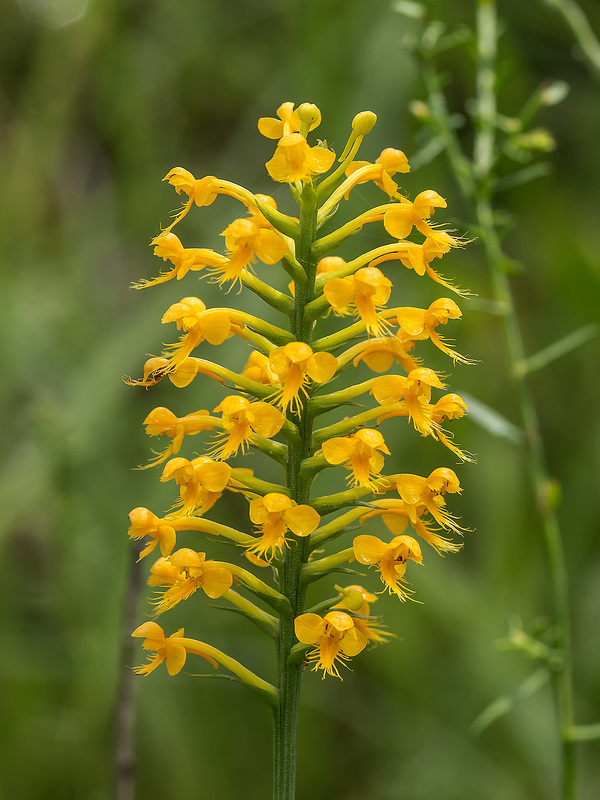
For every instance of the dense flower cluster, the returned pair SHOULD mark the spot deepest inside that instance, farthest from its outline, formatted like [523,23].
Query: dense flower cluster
[287,377]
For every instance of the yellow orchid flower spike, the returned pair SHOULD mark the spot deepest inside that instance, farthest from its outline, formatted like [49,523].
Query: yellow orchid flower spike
[299,359]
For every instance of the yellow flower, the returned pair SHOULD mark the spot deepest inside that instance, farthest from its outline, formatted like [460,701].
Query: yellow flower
[420,323]
[292,365]
[357,600]
[246,239]
[203,191]
[336,636]
[325,265]
[420,256]
[295,161]
[368,290]
[400,219]
[168,247]
[198,324]
[145,523]
[200,482]
[414,391]
[162,421]
[169,649]
[184,572]
[363,450]
[396,518]
[180,375]
[289,122]
[258,369]
[379,354]
[329,264]
[389,163]
[418,492]
[451,407]
[276,513]
[240,419]
[391,558]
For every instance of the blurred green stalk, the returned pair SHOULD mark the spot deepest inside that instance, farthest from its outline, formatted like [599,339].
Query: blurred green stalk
[581,29]
[475,182]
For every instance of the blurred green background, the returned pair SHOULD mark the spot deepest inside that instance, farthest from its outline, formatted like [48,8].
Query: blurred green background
[98,100]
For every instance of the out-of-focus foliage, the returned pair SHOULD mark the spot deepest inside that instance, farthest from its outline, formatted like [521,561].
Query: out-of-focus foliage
[98,100]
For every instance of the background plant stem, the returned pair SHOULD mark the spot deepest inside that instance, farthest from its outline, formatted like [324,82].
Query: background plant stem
[475,180]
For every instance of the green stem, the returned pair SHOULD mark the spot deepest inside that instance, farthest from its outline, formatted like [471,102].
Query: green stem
[474,181]
[581,29]
[562,677]
[289,671]
[483,161]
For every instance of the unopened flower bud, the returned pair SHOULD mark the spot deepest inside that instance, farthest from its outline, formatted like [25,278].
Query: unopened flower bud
[309,114]
[364,123]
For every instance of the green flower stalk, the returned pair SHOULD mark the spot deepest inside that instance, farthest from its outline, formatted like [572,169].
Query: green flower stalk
[291,376]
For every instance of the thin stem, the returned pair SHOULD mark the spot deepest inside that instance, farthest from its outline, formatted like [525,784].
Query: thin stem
[484,148]
[582,31]
[475,183]
[562,677]
[289,671]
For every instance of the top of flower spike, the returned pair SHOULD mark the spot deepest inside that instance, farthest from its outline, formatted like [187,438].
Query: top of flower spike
[290,120]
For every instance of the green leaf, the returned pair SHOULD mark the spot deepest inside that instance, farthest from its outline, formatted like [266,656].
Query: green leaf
[502,705]
[560,348]
[491,421]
